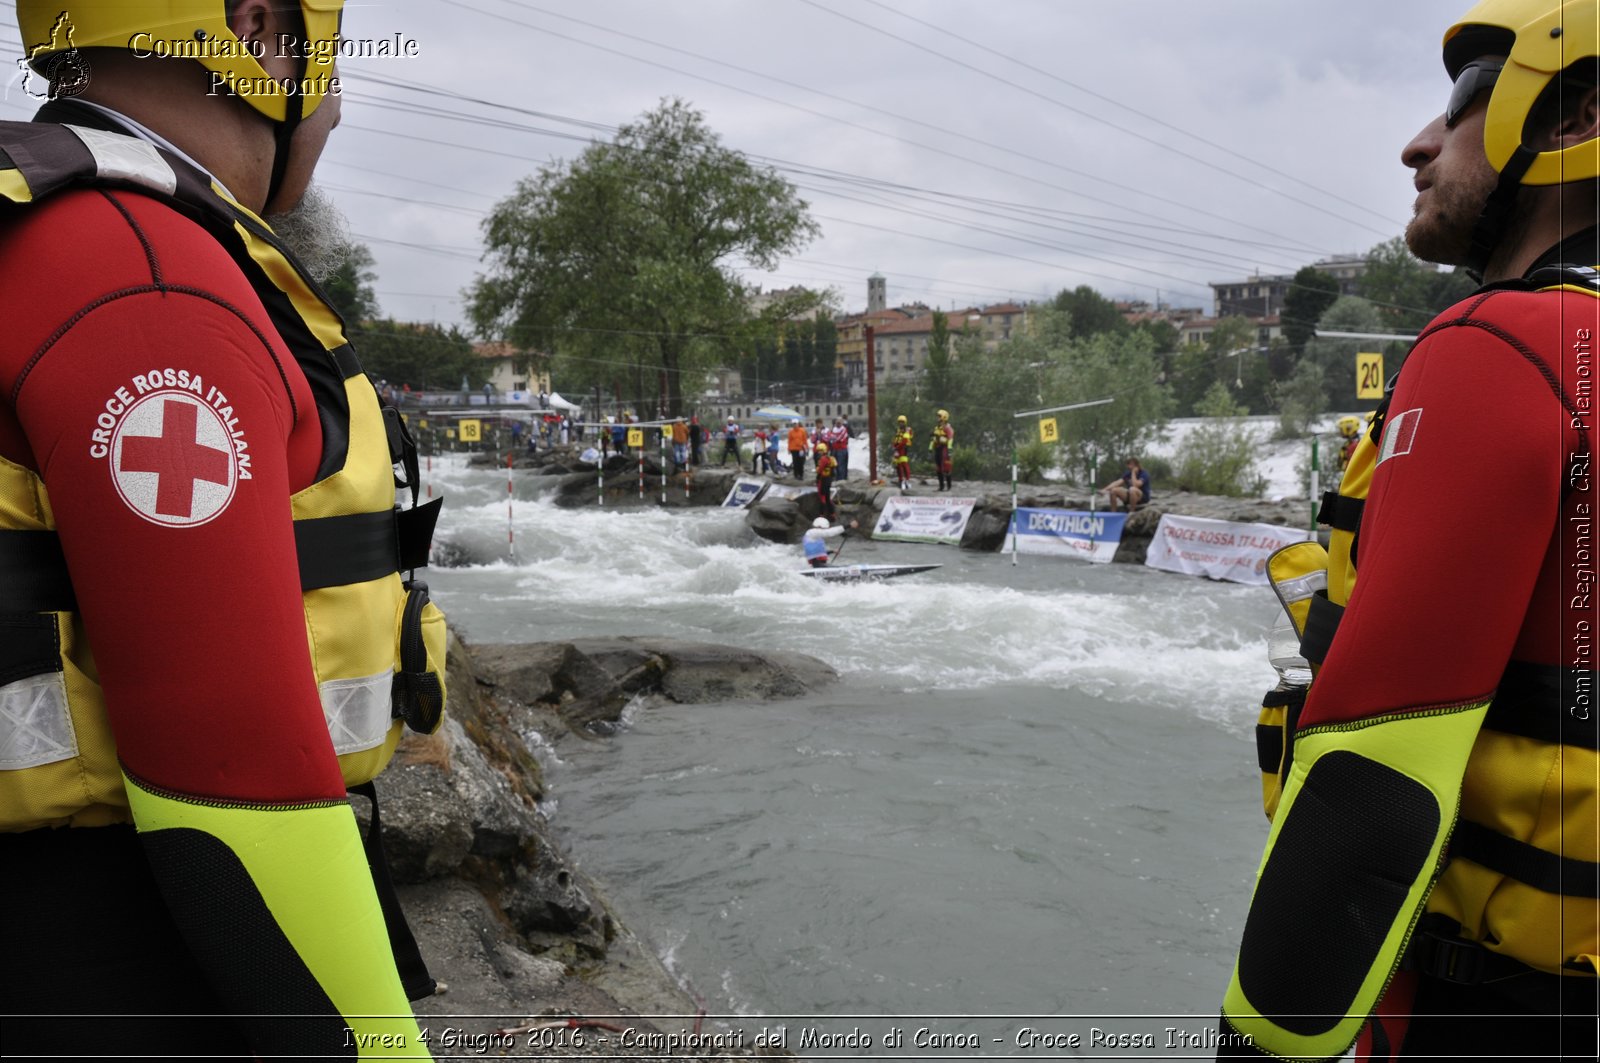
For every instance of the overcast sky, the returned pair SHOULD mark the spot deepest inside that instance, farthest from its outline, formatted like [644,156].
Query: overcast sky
[969,152]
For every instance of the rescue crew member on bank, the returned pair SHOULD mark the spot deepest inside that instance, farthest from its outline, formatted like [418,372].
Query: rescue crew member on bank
[211,627]
[1430,877]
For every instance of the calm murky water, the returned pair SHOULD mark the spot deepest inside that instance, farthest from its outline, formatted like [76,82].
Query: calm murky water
[1032,792]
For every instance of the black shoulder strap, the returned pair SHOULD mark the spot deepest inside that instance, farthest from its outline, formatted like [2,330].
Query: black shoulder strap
[414,976]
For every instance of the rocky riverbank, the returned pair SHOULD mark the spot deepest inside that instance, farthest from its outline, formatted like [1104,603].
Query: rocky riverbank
[617,483]
[531,960]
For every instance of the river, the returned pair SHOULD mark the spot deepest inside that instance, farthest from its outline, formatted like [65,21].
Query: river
[1031,793]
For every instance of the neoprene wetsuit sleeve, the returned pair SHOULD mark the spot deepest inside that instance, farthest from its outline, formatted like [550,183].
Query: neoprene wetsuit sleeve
[175,524]
[1372,797]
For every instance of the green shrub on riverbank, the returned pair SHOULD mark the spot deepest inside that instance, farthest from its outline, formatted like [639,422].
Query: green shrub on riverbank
[1219,458]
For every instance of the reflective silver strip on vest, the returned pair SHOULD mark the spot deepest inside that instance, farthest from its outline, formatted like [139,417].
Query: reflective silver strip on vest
[1299,588]
[127,159]
[358,711]
[35,726]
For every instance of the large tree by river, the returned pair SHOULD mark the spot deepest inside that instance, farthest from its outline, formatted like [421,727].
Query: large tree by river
[622,261]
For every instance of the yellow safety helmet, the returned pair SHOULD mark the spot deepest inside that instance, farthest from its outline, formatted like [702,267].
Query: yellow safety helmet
[944,415]
[188,29]
[1539,38]
[901,419]
[822,448]
[1349,426]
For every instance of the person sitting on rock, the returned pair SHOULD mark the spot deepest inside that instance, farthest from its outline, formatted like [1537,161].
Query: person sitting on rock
[1130,490]
[815,540]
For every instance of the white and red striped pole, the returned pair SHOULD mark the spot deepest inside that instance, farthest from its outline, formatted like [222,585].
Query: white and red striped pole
[511,498]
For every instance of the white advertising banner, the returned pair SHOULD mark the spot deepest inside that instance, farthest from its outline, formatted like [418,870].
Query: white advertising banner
[744,491]
[1219,549]
[789,490]
[1067,533]
[924,520]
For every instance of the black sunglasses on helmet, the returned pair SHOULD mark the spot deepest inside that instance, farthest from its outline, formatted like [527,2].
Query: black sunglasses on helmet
[1476,76]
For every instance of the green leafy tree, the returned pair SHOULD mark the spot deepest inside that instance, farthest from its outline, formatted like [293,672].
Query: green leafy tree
[1335,359]
[795,369]
[349,287]
[1231,357]
[426,357]
[625,257]
[1125,368]
[1300,400]
[1311,293]
[1050,364]
[938,366]
[1219,457]
[1090,312]
[1407,292]
[826,345]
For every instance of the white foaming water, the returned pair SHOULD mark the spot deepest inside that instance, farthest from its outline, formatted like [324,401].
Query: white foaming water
[979,620]
[1033,788]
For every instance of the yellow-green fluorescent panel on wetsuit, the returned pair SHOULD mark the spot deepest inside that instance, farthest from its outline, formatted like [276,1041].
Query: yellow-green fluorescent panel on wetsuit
[1351,857]
[285,895]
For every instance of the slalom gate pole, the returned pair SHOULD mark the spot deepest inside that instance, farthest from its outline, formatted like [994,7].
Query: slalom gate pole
[641,474]
[600,483]
[430,474]
[664,466]
[511,502]
[1013,506]
[1316,492]
[1094,480]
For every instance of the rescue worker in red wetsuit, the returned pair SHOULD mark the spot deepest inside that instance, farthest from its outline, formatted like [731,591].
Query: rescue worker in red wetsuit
[1349,436]
[208,635]
[1430,877]
[826,466]
[944,436]
[902,453]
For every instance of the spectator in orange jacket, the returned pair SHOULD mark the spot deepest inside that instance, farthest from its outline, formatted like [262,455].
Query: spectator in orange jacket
[798,443]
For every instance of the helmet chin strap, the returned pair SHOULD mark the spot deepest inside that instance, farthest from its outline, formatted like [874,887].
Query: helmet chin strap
[294,107]
[1490,227]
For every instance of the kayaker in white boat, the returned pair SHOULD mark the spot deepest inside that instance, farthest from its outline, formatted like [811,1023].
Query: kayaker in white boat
[815,540]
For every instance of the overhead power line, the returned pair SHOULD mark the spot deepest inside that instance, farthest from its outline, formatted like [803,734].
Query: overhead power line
[964,158]
[968,41]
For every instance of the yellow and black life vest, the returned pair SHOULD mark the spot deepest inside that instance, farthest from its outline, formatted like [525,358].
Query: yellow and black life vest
[377,642]
[1518,886]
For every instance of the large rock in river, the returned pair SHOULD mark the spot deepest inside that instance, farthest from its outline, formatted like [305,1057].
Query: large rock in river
[588,682]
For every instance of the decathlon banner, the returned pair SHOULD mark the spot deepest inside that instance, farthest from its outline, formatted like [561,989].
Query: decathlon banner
[924,520]
[1220,549]
[1068,533]
[743,492]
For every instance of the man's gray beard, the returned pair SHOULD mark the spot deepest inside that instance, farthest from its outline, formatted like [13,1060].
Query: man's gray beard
[315,232]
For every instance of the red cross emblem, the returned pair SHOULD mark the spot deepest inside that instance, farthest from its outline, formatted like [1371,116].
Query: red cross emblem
[172,460]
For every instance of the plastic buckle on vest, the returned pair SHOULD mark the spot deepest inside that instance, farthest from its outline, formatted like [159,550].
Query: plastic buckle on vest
[1450,959]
